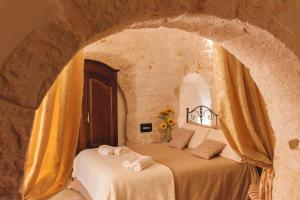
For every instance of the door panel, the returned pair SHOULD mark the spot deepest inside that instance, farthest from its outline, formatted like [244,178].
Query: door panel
[100,113]
[99,109]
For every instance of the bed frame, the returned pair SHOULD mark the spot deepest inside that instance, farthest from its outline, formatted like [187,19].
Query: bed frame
[201,112]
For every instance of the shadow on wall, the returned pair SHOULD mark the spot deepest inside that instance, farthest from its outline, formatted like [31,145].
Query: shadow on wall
[122,117]
[194,91]
[126,81]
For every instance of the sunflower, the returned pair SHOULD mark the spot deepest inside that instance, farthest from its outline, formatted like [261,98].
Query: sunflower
[169,111]
[163,126]
[171,122]
[163,113]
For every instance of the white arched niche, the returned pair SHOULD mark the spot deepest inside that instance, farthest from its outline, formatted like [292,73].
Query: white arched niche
[194,91]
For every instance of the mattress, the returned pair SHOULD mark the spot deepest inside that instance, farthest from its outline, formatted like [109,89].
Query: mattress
[200,179]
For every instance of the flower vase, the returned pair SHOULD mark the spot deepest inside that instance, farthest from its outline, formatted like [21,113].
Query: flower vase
[165,137]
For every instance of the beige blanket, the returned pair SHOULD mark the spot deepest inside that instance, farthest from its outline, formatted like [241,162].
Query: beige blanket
[199,179]
[104,178]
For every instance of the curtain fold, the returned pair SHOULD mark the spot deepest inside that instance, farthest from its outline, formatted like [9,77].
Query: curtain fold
[54,135]
[244,117]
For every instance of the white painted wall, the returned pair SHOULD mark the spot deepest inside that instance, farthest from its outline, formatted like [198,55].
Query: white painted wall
[194,91]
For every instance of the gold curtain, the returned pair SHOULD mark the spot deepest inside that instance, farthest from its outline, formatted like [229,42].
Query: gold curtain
[244,117]
[54,134]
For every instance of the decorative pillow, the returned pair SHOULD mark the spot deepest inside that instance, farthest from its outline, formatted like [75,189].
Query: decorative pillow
[228,152]
[200,134]
[208,149]
[181,138]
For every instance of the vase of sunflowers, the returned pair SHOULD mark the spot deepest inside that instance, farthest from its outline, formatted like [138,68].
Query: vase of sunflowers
[167,123]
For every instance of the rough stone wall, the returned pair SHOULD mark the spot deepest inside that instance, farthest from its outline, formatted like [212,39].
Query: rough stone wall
[275,69]
[44,36]
[152,65]
[17,121]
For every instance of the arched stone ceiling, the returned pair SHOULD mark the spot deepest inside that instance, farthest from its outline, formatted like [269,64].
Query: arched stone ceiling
[41,51]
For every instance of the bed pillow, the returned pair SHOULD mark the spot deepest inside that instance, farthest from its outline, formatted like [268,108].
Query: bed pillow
[208,149]
[228,152]
[200,134]
[181,138]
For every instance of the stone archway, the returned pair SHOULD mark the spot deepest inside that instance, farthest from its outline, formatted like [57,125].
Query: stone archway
[31,68]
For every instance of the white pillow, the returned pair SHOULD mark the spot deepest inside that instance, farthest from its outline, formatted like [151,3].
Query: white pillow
[228,152]
[200,134]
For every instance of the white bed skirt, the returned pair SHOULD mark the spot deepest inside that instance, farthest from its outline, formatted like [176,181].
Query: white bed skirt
[105,179]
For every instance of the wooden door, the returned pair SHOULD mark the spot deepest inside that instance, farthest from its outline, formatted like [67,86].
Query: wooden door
[99,109]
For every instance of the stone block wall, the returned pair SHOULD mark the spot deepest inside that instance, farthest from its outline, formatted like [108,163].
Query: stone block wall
[153,63]
[39,38]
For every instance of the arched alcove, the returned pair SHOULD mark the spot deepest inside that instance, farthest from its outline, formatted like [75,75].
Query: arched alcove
[194,91]
[144,64]
[49,39]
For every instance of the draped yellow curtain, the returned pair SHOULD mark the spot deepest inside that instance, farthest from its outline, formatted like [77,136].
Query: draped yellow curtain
[54,135]
[244,118]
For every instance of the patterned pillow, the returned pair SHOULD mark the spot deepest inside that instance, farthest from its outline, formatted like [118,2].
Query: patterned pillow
[200,134]
[208,149]
[181,138]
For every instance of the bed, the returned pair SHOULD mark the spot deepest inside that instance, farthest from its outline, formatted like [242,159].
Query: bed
[196,179]
[104,178]
[176,174]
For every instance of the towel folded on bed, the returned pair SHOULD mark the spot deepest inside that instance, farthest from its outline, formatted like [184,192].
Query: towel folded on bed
[142,163]
[118,151]
[106,150]
[128,163]
[138,163]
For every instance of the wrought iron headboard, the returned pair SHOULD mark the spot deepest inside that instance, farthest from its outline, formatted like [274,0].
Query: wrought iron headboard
[201,112]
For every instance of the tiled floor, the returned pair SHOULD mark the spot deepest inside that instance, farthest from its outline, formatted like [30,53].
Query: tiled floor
[68,194]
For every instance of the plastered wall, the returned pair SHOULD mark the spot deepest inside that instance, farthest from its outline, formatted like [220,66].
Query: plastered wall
[194,92]
[38,38]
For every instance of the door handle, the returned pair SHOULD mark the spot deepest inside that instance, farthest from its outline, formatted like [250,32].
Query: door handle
[88,117]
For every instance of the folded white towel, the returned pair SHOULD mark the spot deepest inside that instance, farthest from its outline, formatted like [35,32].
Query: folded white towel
[107,146]
[110,150]
[121,150]
[128,163]
[142,163]
[106,150]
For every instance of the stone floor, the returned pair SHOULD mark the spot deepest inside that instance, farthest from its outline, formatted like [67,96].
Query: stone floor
[68,194]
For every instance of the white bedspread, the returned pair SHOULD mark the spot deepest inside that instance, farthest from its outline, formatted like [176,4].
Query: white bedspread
[106,179]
